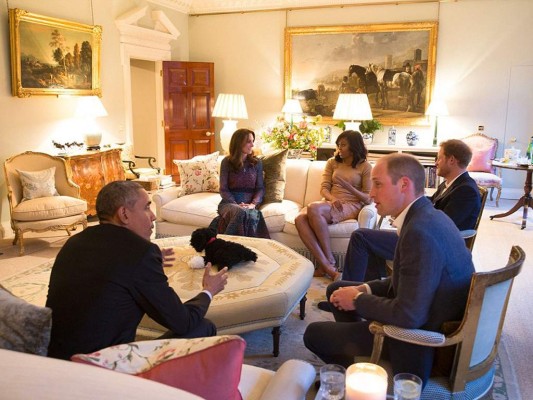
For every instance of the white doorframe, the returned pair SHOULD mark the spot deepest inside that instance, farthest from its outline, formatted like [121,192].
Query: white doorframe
[149,45]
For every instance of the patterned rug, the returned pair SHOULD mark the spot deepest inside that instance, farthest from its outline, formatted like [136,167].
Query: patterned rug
[32,285]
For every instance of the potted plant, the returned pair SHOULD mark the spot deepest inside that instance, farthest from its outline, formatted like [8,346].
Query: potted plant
[367,129]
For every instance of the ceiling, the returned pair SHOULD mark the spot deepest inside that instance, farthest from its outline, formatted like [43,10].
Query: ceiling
[199,7]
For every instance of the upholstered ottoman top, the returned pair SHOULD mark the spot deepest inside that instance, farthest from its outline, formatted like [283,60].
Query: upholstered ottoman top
[257,295]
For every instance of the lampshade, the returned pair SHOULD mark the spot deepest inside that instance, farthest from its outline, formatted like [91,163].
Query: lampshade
[292,106]
[437,108]
[230,106]
[353,107]
[90,107]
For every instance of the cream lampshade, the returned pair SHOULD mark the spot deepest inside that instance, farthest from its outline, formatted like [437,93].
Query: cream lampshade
[229,106]
[353,107]
[437,108]
[292,106]
[89,108]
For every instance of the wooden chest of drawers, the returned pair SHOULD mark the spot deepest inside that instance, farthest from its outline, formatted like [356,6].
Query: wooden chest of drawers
[93,170]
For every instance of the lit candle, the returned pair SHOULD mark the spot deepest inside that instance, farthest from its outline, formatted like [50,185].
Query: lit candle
[365,381]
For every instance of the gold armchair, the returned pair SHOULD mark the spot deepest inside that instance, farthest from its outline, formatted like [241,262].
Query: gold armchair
[37,209]
[132,170]
[475,339]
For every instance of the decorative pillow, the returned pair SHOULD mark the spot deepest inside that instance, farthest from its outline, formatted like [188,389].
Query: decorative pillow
[37,184]
[24,327]
[199,174]
[274,176]
[481,160]
[208,367]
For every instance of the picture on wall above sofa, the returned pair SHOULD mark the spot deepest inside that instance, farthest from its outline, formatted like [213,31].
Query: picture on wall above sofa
[393,63]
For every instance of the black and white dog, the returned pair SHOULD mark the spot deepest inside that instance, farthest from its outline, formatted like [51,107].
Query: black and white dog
[220,252]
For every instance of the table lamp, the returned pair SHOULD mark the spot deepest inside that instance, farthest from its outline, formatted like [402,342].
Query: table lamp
[292,106]
[89,108]
[436,108]
[366,381]
[353,107]
[229,106]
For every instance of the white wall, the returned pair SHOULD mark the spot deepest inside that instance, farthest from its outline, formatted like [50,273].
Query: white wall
[475,57]
[32,123]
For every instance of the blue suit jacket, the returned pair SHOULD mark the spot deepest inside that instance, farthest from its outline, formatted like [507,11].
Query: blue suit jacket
[429,284]
[461,202]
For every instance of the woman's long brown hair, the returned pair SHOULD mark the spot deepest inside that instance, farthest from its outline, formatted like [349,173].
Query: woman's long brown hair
[239,137]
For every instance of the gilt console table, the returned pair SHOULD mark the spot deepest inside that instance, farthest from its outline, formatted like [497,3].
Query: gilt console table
[92,170]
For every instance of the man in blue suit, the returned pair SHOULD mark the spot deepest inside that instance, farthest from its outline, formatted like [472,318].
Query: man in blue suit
[458,196]
[429,284]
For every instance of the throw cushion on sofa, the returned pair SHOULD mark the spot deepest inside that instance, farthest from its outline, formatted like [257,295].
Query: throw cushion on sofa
[274,176]
[24,327]
[208,367]
[199,174]
[37,184]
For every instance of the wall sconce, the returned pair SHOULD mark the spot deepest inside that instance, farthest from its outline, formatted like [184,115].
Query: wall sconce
[229,106]
[436,108]
[89,108]
[353,107]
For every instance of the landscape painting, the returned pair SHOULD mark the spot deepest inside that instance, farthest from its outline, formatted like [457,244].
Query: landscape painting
[393,63]
[50,56]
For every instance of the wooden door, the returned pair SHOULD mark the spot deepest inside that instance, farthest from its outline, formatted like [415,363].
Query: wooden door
[188,90]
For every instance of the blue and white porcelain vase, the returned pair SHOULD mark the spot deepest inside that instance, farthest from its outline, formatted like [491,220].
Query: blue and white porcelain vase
[412,138]
[392,136]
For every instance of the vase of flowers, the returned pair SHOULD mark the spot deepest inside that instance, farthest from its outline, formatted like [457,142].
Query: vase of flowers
[303,136]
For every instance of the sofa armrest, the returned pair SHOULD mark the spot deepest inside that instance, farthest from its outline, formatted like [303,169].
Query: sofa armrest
[164,196]
[368,217]
[291,381]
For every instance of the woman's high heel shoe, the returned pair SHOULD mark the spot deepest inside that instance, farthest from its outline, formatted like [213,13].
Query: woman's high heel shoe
[332,273]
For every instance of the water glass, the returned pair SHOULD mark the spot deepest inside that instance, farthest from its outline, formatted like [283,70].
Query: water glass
[332,381]
[407,387]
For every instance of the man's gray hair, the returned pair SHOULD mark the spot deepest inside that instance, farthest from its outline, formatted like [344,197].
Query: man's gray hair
[399,165]
[115,195]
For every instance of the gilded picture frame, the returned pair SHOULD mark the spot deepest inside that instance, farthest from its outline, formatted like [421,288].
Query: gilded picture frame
[393,63]
[51,56]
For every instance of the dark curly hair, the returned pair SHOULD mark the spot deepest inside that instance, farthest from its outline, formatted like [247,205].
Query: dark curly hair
[356,145]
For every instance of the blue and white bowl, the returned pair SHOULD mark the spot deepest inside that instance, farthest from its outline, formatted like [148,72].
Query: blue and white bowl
[412,138]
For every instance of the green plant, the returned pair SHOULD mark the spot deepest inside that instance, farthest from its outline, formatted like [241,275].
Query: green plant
[305,135]
[369,126]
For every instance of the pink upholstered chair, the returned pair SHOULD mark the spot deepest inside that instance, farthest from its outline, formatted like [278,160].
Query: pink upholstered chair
[480,168]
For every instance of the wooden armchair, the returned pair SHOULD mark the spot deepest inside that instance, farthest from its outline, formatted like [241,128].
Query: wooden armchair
[475,339]
[484,150]
[42,195]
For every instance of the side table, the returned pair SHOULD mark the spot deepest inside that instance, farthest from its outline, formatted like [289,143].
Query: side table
[525,200]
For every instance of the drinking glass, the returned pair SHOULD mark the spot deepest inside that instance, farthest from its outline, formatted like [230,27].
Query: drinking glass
[331,382]
[407,387]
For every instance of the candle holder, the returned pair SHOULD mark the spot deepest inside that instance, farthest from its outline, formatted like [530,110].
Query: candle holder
[366,381]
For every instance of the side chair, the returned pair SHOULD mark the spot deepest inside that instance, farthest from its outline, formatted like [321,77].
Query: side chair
[470,235]
[42,196]
[474,340]
[481,170]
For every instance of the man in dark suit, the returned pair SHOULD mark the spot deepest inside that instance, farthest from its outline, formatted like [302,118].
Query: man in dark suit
[429,284]
[107,277]
[458,196]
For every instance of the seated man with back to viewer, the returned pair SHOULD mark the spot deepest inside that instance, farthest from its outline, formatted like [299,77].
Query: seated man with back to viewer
[107,277]
[458,197]
[429,283]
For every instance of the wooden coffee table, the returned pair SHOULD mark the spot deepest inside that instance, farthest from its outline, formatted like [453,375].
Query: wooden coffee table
[258,295]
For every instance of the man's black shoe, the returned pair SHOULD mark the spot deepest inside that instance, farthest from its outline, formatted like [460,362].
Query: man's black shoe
[324,306]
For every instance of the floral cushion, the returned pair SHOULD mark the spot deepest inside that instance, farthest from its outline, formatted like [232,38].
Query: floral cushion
[274,176]
[37,184]
[199,174]
[24,327]
[208,367]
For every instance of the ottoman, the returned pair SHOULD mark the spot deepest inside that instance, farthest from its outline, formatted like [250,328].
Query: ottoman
[258,295]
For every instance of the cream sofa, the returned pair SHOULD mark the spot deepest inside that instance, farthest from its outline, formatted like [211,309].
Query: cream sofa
[179,215]
[27,376]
